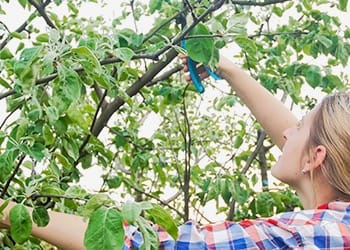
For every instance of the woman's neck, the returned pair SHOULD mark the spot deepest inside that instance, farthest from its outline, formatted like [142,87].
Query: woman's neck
[315,193]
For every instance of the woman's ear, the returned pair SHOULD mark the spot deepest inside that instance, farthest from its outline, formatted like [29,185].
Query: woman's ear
[319,155]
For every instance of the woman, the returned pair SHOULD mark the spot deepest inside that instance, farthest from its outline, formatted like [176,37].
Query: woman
[314,162]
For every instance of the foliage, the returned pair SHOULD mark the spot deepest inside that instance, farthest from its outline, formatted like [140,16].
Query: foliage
[78,91]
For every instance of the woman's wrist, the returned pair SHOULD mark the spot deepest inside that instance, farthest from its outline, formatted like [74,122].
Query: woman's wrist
[225,67]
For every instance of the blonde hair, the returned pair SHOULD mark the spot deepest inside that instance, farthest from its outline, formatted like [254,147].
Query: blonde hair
[331,128]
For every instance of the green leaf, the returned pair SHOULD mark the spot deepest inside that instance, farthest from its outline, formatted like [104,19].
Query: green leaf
[37,151]
[43,38]
[21,224]
[6,166]
[155,5]
[40,216]
[125,54]
[4,83]
[149,234]
[327,43]
[200,49]
[23,67]
[2,136]
[343,4]
[131,211]
[18,35]
[307,5]
[342,53]
[51,189]
[76,191]
[73,8]
[86,162]
[71,86]
[23,3]
[20,47]
[247,45]
[162,218]
[332,82]
[5,53]
[47,135]
[277,10]
[238,141]
[95,202]
[105,230]
[2,207]
[114,182]
[63,160]
[72,148]
[86,54]
[78,116]
[313,76]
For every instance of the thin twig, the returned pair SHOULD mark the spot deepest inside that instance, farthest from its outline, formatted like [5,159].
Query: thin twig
[13,175]
[254,3]
[35,196]
[159,200]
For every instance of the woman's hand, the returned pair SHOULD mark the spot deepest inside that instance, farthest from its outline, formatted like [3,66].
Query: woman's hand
[203,74]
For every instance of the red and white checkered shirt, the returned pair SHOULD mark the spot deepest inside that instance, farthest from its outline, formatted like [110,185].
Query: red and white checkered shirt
[327,227]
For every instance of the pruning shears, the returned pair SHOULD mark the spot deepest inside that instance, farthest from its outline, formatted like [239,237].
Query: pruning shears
[192,65]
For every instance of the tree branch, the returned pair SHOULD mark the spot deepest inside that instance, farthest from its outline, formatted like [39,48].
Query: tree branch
[41,9]
[165,76]
[187,175]
[131,91]
[259,144]
[263,166]
[22,27]
[258,148]
[253,3]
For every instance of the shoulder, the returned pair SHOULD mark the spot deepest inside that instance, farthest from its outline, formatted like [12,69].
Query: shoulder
[336,211]
[320,227]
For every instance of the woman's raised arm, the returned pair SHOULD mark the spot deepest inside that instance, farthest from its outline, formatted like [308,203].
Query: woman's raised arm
[65,231]
[273,116]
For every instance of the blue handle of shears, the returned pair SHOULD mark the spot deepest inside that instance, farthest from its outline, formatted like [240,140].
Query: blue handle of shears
[192,68]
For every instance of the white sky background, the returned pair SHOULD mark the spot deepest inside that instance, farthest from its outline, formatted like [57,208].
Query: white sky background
[16,16]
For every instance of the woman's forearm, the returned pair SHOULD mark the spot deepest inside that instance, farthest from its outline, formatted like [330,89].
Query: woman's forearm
[273,116]
[65,231]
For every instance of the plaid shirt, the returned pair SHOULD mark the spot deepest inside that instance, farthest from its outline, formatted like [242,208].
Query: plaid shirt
[327,227]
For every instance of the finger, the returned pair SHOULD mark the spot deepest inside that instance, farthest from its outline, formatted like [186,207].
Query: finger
[184,61]
[188,78]
[201,70]
[185,68]
[203,75]
[182,56]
